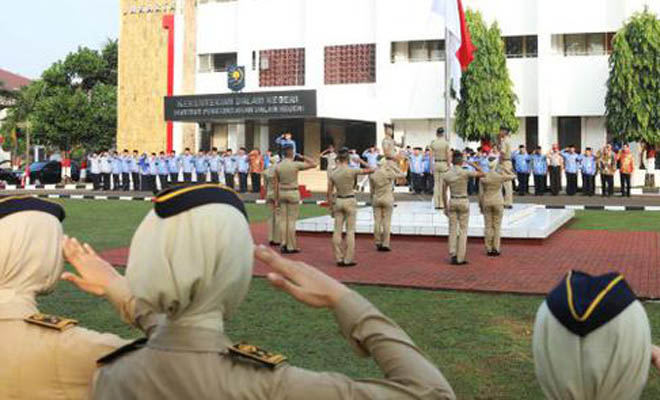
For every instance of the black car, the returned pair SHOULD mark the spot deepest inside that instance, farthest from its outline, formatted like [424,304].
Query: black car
[50,172]
[8,175]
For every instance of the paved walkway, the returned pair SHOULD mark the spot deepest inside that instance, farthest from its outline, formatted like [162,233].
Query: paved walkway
[529,267]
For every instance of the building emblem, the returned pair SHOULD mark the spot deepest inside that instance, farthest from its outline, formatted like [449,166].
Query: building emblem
[236,78]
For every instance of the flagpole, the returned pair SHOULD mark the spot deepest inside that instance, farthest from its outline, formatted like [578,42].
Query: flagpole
[447,85]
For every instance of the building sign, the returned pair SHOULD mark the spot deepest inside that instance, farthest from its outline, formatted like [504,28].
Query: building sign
[236,78]
[213,107]
[156,7]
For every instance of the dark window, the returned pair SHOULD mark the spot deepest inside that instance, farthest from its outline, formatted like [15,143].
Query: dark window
[254,60]
[570,132]
[531,133]
[282,67]
[350,64]
[218,62]
[514,46]
[609,39]
[531,46]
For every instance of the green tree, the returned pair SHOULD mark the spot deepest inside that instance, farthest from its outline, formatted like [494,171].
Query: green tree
[632,103]
[487,99]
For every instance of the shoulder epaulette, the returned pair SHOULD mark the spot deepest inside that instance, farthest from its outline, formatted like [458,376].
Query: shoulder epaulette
[254,353]
[135,345]
[51,321]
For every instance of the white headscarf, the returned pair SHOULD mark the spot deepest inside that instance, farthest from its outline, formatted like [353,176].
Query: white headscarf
[30,260]
[610,363]
[194,267]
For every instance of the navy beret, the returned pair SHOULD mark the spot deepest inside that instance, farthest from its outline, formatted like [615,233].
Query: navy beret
[14,204]
[178,199]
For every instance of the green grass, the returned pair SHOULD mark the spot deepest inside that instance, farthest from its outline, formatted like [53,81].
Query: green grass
[481,342]
[629,221]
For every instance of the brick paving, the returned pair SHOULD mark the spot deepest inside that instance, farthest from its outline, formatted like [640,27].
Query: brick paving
[526,267]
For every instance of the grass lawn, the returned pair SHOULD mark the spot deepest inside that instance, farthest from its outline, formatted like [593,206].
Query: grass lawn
[481,342]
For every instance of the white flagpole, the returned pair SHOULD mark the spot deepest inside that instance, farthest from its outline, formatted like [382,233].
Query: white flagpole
[447,84]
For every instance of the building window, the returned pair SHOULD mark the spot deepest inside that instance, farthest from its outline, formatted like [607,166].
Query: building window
[521,46]
[583,44]
[218,62]
[418,51]
[350,64]
[282,67]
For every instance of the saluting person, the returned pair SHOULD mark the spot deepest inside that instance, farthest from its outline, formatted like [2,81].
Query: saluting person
[173,166]
[135,170]
[441,152]
[274,229]
[125,171]
[382,201]
[506,149]
[344,207]
[491,204]
[188,163]
[287,196]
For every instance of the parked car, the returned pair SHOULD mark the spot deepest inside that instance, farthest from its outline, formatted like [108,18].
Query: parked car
[50,172]
[8,175]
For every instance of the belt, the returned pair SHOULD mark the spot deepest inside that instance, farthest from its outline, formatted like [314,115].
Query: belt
[506,159]
[459,197]
[288,189]
[346,197]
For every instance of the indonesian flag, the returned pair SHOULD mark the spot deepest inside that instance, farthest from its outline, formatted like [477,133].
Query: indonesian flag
[459,42]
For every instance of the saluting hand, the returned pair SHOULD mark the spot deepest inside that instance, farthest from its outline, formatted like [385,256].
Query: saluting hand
[303,282]
[94,273]
[655,357]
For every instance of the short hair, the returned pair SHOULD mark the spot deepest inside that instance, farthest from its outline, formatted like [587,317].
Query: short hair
[135,151]
[343,153]
[187,149]
[587,149]
[538,147]
[162,152]
[521,146]
[228,150]
[571,145]
[153,154]
[214,149]
[457,157]
[386,125]
[125,150]
[440,131]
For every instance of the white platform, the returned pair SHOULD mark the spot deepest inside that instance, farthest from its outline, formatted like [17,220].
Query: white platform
[524,221]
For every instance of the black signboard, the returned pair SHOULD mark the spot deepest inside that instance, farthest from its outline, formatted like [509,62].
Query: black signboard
[214,107]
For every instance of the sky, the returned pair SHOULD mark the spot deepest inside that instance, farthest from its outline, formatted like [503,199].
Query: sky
[36,33]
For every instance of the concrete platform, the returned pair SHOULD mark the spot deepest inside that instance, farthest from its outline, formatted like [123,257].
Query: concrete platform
[524,221]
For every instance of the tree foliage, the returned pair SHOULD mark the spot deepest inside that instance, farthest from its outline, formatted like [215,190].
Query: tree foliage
[74,104]
[633,89]
[487,99]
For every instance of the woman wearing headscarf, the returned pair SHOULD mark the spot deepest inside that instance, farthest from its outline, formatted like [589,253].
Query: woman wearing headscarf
[191,259]
[592,340]
[42,356]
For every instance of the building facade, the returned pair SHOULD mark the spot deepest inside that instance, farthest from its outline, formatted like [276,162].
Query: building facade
[335,71]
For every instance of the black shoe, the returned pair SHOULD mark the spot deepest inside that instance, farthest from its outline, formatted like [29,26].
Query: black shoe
[274,244]
[379,247]
[496,253]
[385,249]
[454,261]
[508,207]
[283,250]
[346,265]
[461,262]
[490,253]
[294,251]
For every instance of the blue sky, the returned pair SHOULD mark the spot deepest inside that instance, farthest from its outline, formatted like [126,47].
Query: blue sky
[36,33]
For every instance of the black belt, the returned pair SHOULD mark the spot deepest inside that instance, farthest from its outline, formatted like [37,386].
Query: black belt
[506,159]
[288,189]
[458,197]
[346,197]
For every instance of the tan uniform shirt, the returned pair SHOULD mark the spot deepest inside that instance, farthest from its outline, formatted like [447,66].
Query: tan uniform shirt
[287,172]
[45,363]
[389,147]
[269,180]
[491,183]
[457,179]
[555,159]
[440,149]
[186,363]
[343,178]
[506,149]
[382,181]
[332,160]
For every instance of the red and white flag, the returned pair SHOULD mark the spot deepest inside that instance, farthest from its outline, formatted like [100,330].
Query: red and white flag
[460,45]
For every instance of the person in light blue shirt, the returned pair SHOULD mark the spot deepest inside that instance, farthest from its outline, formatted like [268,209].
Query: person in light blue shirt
[243,167]
[201,167]
[540,170]
[521,161]
[116,170]
[286,140]
[163,170]
[483,162]
[417,169]
[173,166]
[125,171]
[429,166]
[135,171]
[229,165]
[571,168]
[145,171]
[267,159]
[354,159]
[187,165]
[215,162]
[371,155]
[588,168]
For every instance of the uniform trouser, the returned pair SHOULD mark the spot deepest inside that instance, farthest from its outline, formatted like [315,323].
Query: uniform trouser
[607,184]
[187,177]
[163,181]
[125,182]
[215,178]
[441,169]
[145,182]
[174,177]
[428,182]
[116,185]
[200,177]
[459,216]
[274,231]
[106,181]
[256,182]
[243,181]
[539,185]
[229,180]
[382,222]
[588,184]
[289,208]
[555,180]
[493,225]
[625,185]
[571,183]
[96,181]
[136,181]
[418,182]
[344,212]
[472,186]
[523,183]
[507,167]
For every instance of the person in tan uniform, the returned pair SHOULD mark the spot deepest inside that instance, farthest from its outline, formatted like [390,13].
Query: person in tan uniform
[344,207]
[382,201]
[491,203]
[505,147]
[274,230]
[458,212]
[441,155]
[43,356]
[390,148]
[204,279]
[287,197]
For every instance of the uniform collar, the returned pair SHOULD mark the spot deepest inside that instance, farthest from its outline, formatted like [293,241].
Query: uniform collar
[188,339]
